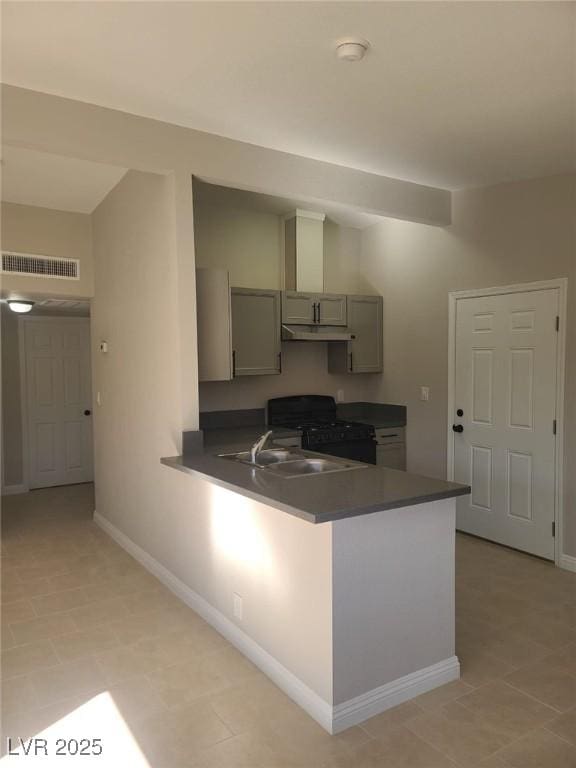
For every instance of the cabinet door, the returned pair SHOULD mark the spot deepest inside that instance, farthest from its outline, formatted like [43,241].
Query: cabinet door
[331,309]
[392,456]
[298,308]
[365,322]
[313,308]
[256,342]
[213,320]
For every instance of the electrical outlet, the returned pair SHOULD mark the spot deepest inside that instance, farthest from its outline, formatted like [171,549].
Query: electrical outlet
[237,606]
[339,395]
[425,393]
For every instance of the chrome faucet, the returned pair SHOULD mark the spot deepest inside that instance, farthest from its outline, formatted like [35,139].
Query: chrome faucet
[258,445]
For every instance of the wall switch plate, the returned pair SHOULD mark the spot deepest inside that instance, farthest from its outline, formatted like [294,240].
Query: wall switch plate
[237,605]
[103,347]
[98,398]
[339,395]
[425,393]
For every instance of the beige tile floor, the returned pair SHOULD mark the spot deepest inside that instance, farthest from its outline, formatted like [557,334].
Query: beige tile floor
[80,618]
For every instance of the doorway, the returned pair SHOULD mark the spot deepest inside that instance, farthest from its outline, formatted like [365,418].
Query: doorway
[47,403]
[505,429]
[57,398]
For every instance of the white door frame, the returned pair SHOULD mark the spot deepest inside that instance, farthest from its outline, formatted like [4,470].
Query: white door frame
[22,322]
[561,284]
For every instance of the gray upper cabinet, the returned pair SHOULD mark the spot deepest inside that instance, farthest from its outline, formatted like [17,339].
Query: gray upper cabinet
[256,342]
[331,309]
[298,308]
[214,330]
[239,329]
[313,308]
[364,353]
[366,349]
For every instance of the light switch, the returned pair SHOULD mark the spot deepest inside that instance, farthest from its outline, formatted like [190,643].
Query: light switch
[339,395]
[425,393]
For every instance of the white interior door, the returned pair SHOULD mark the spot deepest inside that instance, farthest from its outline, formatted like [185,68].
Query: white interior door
[59,401]
[505,386]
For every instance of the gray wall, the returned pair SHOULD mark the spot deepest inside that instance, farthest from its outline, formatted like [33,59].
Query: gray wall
[304,371]
[29,229]
[11,413]
[215,541]
[509,233]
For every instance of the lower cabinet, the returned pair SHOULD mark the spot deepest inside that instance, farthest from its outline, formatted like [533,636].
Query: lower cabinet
[391,447]
[392,456]
[364,353]
[256,332]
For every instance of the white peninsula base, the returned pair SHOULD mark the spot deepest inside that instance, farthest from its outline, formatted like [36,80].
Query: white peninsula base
[349,617]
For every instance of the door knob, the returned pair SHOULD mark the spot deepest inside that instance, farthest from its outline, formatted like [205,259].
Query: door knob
[87,413]
[457,427]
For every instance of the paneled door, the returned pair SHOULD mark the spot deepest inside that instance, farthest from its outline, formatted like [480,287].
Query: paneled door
[504,417]
[59,401]
[256,341]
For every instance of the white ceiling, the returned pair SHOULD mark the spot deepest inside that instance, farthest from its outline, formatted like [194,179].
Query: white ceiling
[452,94]
[51,181]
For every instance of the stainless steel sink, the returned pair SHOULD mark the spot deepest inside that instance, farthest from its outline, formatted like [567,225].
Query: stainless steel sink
[289,464]
[313,466]
[264,458]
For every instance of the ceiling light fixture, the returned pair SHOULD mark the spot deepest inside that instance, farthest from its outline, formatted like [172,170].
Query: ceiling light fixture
[351,48]
[20,305]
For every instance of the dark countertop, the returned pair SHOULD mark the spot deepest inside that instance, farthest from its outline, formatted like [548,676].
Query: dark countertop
[378,415]
[316,498]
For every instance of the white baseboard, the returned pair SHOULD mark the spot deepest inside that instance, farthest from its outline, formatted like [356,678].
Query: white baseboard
[332,719]
[13,490]
[355,711]
[304,696]
[568,563]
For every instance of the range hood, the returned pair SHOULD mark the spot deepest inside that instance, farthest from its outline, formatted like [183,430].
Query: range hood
[315,333]
[304,272]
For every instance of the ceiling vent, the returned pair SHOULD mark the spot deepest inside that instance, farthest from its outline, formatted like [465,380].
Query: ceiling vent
[40,266]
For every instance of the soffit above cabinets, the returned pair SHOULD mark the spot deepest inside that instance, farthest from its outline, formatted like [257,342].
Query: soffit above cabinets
[206,193]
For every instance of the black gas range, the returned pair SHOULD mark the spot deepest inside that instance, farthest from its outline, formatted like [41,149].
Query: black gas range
[315,416]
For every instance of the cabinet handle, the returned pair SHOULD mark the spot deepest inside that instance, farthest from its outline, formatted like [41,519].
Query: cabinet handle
[280,361]
[314,310]
[233,363]
[319,308]
[351,362]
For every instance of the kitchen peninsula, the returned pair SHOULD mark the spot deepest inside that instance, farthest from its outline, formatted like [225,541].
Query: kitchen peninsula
[346,579]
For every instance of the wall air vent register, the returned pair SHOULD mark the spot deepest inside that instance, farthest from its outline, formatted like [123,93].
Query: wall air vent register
[40,266]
